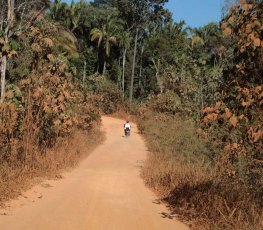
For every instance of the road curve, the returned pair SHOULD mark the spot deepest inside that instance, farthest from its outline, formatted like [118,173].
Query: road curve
[105,192]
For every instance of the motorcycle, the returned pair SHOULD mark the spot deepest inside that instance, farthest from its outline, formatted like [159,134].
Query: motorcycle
[127,132]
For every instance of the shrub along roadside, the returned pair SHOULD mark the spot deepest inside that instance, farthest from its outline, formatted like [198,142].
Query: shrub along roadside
[44,108]
[105,96]
[180,168]
[64,155]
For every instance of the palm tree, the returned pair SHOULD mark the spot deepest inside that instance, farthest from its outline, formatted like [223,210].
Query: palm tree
[173,29]
[55,8]
[206,32]
[124,42]
[106,38]
[59,11]
[196,40]
[75,14]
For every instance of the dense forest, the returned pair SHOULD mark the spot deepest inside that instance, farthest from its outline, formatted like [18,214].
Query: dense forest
[196,94]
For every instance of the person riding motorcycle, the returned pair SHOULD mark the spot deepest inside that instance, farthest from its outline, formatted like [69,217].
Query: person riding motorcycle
[127,128]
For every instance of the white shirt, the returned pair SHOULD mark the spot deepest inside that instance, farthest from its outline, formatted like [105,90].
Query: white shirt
[127,125]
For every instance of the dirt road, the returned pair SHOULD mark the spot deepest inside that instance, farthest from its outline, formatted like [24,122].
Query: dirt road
[104,193]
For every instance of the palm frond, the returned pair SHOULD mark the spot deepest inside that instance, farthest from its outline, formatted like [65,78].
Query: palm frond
[197,40]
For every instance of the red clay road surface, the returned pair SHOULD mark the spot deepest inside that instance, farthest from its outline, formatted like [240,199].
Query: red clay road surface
[105,192]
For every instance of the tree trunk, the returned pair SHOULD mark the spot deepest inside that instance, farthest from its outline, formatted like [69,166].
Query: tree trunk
[10,17]
[10,20]
[84,71]
[157,75]
[133,64]
[98,67]
[104,68]
[123,70]
[3,73]
[10,14]
[119,74]
[101,60]
[201,92]
[2,16]
[140,74]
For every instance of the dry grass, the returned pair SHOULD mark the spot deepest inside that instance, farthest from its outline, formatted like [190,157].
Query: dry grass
[195,195]
[65,155]
[120,114]
[126,111]
[124,116]
[163,173]
[180,170]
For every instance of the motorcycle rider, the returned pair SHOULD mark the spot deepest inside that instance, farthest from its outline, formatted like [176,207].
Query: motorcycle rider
[127,126]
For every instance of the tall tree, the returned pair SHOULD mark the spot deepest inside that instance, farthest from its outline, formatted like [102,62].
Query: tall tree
[227,6]
[124,42]
[139,13]
[25,12]
[106,37]
[133,64]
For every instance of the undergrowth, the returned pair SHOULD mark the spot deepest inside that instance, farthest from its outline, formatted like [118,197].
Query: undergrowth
[182,169]
[48,117]
[64,155]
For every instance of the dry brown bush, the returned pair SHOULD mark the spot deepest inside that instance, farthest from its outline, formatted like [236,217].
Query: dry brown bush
[180,169]
[40,114]
[105,96]
[64,155]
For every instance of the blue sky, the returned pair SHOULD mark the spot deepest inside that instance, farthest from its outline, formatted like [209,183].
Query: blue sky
[195,12]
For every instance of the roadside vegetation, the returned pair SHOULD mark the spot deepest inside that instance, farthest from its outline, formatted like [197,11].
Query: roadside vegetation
[196,94]
[49,117]
[206,142]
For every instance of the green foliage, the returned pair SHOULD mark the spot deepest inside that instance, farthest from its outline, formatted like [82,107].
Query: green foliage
[235,122]
[14,45]
[44,105]
[106,95]
[167,102]
[185,168]
[188,78]
[173,136]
